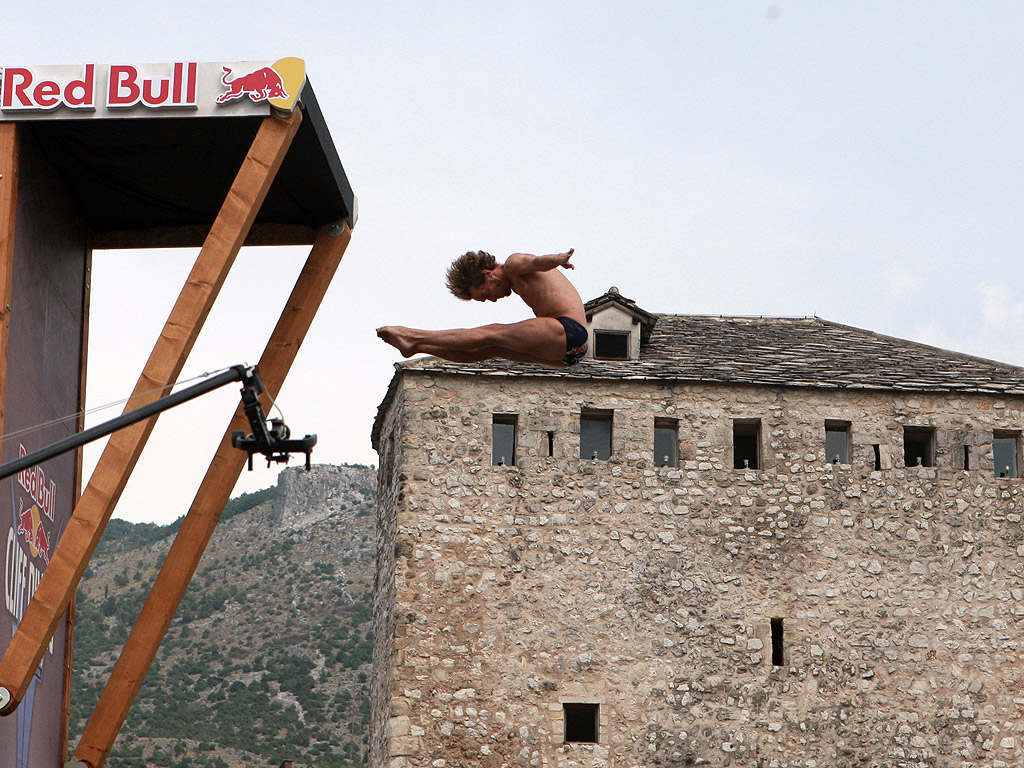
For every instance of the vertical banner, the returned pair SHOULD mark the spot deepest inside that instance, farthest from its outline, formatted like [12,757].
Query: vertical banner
[42,393]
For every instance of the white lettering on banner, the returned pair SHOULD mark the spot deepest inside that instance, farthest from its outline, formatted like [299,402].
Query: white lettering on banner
[21,580]
[18,577]
[9,565]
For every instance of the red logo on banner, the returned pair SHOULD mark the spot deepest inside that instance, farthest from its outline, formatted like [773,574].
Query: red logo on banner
[261,85]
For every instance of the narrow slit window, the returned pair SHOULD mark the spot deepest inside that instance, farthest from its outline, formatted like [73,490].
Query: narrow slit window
[746,443]
[837,442]
[582,723]
[666,443]
[503,439]
[778,644]
[551,443]
[967,457]
[1005,454]
[878,457]
[611,345]
[596,435]
[919,446]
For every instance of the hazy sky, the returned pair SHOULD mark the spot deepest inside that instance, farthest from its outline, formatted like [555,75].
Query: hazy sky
[859,161]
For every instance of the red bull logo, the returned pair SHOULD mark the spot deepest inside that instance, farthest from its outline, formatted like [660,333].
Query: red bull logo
[34,480]
[278,83]
[262,85]
[32,532]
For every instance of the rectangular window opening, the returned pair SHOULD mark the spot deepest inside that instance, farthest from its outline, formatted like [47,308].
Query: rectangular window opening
[878,457]
[746,443]
[551,443]
[611,345]
[581,723]
[837,442]
[778,648]
[919,446]
[596,434]
[1005,453]
[503,439]
[666,443]
[967,457]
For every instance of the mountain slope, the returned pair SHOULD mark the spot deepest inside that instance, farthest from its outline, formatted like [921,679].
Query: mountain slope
[268,656]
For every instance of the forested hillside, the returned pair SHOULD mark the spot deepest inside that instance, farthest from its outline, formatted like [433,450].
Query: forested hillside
[268,656]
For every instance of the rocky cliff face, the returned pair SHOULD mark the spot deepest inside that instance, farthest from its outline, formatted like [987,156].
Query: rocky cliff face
[306,498]
[268,655]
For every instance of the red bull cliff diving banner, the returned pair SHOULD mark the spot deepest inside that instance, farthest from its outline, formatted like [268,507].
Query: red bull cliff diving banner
[43,394]
[183,88]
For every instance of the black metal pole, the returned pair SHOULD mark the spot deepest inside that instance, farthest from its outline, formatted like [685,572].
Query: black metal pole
[234,373]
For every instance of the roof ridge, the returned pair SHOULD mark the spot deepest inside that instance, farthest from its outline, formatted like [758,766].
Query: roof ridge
[742,317]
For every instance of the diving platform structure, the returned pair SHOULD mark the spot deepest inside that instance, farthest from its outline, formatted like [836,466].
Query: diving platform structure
[184,154]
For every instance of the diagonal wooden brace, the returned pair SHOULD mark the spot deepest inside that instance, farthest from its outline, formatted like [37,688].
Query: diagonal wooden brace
[198,525]
[77,544]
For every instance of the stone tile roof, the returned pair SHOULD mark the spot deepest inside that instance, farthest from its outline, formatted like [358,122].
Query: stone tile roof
[771,351]
[775,351]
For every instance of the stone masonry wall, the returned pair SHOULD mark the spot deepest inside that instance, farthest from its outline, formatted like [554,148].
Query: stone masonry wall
[649,591]
[389,482]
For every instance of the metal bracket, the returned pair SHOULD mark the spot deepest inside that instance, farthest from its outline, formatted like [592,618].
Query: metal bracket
[273,441]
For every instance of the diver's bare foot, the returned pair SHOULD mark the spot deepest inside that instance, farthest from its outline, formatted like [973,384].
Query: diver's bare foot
[397,336]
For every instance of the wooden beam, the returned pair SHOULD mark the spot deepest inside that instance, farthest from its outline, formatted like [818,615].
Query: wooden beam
[9,161]
[69,633]
[198,525]
[9,148]
[77,544]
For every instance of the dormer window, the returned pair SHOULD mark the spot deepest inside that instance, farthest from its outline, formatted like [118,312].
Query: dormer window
[611,345]
[618,328]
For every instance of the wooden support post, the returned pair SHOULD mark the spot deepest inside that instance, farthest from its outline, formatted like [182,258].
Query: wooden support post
[69,634]
[9,148]
[198,525]
[76,546]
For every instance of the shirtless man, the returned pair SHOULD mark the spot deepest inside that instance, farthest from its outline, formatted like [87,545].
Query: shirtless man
[556,336]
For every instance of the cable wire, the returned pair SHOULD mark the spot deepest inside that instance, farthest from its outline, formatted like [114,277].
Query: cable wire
[96,408]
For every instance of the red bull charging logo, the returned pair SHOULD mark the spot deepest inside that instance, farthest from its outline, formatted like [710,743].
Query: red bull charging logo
[279,84]
[34,512]
[32,537]
[32,532]
[260,85]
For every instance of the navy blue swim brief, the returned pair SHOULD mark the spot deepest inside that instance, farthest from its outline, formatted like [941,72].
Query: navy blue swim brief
[575,340]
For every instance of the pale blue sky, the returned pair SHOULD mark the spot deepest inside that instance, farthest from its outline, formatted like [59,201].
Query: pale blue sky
[860,161]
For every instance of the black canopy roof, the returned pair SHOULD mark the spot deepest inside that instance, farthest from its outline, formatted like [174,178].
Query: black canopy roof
[161,181]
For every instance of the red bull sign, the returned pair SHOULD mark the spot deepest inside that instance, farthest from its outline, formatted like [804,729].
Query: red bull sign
[183,88]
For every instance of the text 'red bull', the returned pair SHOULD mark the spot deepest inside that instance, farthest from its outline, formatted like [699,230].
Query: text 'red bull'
[33,480]
[126,87]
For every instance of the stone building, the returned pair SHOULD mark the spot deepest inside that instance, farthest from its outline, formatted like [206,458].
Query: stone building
[728,542]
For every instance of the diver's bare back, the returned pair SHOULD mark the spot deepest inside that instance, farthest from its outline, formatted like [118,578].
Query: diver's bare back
[549,294]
